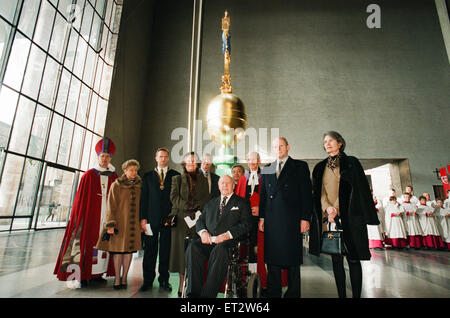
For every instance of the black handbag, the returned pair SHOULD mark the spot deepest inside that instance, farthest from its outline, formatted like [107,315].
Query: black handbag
[333,241]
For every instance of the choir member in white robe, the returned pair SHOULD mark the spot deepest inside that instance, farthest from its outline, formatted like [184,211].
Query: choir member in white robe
[447,201]
[392,193]
[443,216]
[430,203]
[376,232]
[431,235]
[413,199]
[395,226]
[413,228]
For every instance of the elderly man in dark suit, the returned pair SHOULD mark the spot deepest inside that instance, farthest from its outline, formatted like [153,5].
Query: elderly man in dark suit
[224,220]
[285,210]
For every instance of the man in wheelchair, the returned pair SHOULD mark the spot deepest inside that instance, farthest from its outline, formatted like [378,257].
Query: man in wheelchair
[223,221]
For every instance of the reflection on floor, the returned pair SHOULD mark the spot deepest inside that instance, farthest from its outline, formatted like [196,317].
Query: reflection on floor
[27,261]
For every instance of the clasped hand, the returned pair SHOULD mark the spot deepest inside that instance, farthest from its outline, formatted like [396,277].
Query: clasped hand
[207,239]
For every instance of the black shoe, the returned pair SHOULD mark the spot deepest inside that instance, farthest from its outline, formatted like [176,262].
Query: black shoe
[99,280]
[116,287]
[145,287]
[84,283]
[166,286]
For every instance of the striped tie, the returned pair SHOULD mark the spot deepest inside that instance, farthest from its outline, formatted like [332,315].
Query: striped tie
[222,205]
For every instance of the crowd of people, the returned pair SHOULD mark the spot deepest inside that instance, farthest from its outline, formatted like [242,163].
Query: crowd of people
[192,217]
[408,221]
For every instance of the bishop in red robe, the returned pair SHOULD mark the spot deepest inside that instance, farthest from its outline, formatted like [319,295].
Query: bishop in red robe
[78,259]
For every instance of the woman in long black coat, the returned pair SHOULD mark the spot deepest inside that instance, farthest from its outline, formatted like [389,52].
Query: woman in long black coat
[342,193]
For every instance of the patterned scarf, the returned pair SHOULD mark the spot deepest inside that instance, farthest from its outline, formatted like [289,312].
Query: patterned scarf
[333,161]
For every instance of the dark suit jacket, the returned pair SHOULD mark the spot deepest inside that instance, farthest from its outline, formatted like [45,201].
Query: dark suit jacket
[284,202]
[235,217]
[155,203]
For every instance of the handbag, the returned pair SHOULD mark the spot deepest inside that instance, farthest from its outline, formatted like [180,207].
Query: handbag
[333,241]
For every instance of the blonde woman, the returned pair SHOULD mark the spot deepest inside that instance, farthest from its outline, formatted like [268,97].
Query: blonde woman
[122,231]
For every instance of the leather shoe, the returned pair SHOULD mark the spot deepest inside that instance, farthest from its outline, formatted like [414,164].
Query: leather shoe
[145,287]
[166,286]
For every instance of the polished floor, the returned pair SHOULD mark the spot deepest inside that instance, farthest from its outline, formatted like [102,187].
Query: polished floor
[27,261]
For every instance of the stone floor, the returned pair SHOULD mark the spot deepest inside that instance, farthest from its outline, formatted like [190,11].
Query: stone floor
[27,260]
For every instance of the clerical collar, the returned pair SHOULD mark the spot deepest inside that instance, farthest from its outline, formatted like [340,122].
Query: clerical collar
[110,168]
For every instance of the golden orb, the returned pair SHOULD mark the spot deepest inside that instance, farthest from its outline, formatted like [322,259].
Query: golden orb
[226,119]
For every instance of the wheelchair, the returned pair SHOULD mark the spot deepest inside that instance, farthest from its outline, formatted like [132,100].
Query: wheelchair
[240,282]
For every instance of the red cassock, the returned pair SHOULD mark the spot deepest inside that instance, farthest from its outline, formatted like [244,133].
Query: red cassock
[240,190]
[83,230]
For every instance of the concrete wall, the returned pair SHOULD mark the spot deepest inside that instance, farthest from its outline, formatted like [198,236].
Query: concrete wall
[306,67]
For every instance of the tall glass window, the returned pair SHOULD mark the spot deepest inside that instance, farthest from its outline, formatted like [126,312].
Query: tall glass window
[56,67]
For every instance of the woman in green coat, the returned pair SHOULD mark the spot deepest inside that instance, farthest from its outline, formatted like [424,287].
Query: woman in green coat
[189,193]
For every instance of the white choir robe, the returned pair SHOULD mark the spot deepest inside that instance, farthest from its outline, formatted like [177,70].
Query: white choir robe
[395,227]
[413,228]
[413,200]
[375,233]
[386,202]
[428,223]
[447,204]
[444,224]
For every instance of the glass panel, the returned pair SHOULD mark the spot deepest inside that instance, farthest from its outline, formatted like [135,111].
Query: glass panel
[83,105]
[105,86]
[27,189]
[56,199]
[49,82]
[28,17]
[17,61]
[44,24]
[10,184]
[71,50]
[53,141]
[97,25]
[90,67]
[22,125]
[80,58]
[92,111]
[33,75]
[8,103]
[100,7]
[63,92]
[109,6]
[66,141]
[98,75]
[74,93]
[5,31]
[100,118]
[77,143]
[65,7]
[39,131]
[60,32]
[8,9]
[78,14]
[87,21]
[86,151]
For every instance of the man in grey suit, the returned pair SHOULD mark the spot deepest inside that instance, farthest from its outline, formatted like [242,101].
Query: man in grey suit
[224,220]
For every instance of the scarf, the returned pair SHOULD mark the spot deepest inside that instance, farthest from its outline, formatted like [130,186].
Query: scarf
[333,161]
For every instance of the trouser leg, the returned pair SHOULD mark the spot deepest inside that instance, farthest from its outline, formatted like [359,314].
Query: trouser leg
[273,281]
[217,270]
[355,270]
[294,287]
[164,255]
[339,274]
[149,259]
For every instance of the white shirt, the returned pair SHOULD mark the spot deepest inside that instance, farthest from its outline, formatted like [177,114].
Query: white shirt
[164,170]
[253,180]
[278,172]
[220,203]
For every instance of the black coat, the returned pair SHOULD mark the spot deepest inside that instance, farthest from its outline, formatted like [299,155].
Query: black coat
[235,217]
[155,203]
[284,202]
[356,207]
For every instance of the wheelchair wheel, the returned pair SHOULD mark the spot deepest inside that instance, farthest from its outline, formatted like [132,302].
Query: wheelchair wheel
[253,286]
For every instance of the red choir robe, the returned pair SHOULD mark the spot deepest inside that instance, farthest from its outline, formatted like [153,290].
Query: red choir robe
[240,190]
[82,231]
